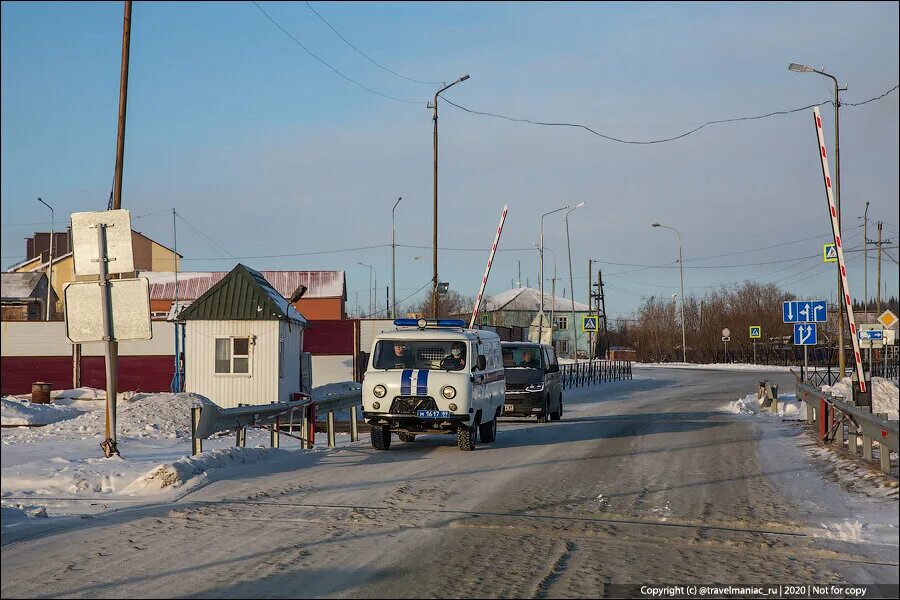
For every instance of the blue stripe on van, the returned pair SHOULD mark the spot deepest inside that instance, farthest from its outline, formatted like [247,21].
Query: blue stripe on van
[406,382]
[422,383]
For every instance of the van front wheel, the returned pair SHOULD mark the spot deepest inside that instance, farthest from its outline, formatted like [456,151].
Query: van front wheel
[488,431]
[465,438]
[381,437]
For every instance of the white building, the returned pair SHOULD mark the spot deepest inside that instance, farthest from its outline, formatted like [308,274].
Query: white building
[243,342]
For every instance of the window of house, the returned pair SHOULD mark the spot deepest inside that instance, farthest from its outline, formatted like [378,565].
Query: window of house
[563,346]
[233,355]
[562,322]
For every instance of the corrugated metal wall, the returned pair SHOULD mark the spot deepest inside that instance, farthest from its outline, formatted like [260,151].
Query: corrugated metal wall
[259,387]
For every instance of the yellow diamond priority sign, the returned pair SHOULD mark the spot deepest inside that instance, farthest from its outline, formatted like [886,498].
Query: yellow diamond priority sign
[888,319]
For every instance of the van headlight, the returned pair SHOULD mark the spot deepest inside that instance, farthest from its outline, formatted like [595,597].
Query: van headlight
[449,392]
[535,387]
[376,405]
[452,407]
[379,391]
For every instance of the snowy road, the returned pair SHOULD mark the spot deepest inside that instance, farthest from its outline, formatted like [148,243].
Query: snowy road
[642,482]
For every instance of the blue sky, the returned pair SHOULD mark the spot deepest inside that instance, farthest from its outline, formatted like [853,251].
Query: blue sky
[267,152]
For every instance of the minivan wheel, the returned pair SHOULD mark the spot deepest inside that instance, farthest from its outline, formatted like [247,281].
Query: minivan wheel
[465,438]
[406,437]
[488,431]
[557,414]
[542,416]
[381,437]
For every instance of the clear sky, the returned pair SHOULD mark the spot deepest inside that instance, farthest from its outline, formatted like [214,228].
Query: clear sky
[266,152]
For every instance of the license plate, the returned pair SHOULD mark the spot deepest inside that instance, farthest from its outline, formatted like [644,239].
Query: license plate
[433,414]
[509,408]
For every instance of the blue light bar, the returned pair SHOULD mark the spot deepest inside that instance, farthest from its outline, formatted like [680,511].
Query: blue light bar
[429,323]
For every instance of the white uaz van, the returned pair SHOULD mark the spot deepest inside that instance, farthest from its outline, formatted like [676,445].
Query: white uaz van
[434,377]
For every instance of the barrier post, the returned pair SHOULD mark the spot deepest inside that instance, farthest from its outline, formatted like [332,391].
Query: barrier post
[330,428]
[241,441]
[354,426]
[274,436]
[884,453]
[196,443]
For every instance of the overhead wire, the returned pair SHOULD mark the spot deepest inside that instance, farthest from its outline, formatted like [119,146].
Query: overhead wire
[336,71]
[366,56]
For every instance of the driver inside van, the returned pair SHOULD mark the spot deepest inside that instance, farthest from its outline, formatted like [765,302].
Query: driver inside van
[456,360]
[401,358]
[529,359]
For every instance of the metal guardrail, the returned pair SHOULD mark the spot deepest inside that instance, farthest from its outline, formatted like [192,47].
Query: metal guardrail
[594,371]
[208,420]
[831,414]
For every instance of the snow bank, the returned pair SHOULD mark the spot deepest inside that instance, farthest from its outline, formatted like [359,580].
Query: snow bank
[885,394]
[712,366]
[22,412]
[185,469]
[789,408]
[163,415]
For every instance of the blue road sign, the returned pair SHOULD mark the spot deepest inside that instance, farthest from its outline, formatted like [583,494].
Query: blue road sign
[589,323]
[805,334]
[873,335]
[789,312]
[804,311]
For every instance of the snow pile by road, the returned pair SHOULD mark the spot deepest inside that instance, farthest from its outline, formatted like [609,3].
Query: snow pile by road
[789,408]
[885,394]
[711,366]
[188,468]
[161,415]
[22,412]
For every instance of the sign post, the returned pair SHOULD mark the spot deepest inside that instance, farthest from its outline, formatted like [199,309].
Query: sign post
[726,337]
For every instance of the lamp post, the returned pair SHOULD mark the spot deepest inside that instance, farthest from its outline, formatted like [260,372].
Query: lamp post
[541,325]
[681,269]
[394,261]
[372,275]
[552,285]
[434,280]
[798,68]
[571,281]
[50,267]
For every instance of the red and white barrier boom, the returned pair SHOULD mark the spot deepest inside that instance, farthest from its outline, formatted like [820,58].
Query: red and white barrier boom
[487,270]
[836,229]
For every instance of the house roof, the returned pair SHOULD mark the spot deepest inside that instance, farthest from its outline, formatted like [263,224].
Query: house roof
[193,284]
[242,295]
[529,300]
[16,286]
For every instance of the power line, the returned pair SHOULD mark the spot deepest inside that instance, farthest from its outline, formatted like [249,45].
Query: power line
[310,253]
[367,57]
[308,51]
[659,141]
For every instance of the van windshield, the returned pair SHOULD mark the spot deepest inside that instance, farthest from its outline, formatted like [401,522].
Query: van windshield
[429,355]
[522,357]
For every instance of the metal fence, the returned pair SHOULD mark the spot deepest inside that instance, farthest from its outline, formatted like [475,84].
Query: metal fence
[838,422]
[595,371]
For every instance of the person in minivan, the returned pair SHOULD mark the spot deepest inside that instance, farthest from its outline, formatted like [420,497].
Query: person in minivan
[530,360]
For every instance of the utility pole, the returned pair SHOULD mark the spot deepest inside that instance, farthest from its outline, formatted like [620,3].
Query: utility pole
[434,281]
[603,305]
[394,259]
[123,103]
[878,292]
[50,263]
[590,289]
[866,243]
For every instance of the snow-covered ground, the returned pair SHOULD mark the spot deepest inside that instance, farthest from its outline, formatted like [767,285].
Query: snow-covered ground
[711,366]
[59,468]
[837,463]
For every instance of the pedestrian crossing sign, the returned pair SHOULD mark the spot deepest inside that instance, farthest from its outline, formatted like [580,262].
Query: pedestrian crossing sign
[755,331]
[589,323]
[829,253]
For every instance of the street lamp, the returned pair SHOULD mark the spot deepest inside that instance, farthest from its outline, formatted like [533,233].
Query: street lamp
[394,261]
[798,68]
[50,267]
[541,318]
[434,281]
[681,268]
[553,281]
[571,283]
[372,275]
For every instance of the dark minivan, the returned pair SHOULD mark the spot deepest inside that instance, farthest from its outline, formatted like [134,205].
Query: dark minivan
[533,384]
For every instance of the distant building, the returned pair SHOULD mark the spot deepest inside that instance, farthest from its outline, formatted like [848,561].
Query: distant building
[519,306]
[24,297]
[149,255]
[324,296]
